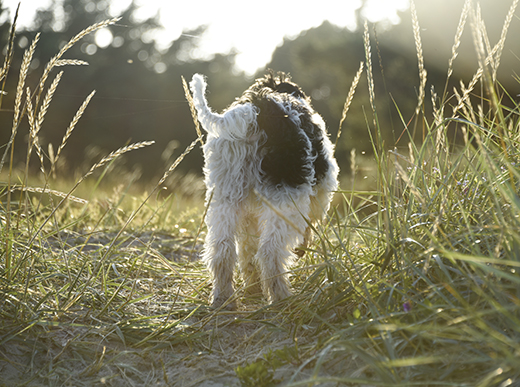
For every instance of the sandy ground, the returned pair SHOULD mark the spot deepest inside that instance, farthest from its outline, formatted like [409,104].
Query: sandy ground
[78,349]
[80,356]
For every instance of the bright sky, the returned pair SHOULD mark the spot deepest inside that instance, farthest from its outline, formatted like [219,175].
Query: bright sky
[254,29]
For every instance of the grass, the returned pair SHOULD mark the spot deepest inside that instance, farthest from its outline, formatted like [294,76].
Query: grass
[414,283]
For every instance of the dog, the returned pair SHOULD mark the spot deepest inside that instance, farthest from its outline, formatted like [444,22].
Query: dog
[270,173]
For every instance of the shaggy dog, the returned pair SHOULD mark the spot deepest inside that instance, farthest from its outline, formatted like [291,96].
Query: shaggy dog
[269,172]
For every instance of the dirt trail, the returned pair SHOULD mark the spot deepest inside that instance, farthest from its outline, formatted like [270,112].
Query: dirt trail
[188,345]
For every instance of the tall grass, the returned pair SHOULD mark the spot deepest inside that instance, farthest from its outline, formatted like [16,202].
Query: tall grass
[69,263]
[438,305]
[413,283]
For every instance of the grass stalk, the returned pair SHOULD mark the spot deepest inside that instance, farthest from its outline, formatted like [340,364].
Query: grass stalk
[348,101]
[8,57]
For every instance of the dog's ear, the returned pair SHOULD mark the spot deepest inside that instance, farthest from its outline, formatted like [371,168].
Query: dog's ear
[290,88]
[280,82]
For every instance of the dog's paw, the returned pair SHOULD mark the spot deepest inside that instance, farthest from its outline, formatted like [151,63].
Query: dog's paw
[224,303]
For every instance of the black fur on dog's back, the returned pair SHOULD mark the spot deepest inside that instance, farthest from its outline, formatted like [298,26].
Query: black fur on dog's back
[292,155]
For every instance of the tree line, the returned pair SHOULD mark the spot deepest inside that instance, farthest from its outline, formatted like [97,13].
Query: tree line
[139,94]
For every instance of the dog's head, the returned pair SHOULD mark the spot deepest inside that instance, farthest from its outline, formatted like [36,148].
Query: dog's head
[281,83]
[272,82]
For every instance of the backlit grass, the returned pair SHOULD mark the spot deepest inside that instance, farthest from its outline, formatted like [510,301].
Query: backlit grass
[411,283]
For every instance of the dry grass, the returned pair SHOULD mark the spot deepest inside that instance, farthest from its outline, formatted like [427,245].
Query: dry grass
[420,59]
[348,101]
[416,284]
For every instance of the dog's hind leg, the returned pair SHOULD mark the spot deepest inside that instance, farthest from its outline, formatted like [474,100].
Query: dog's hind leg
[247,248]
[275,252]
[220,251]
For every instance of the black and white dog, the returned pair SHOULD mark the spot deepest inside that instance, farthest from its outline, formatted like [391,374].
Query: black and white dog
[269,171]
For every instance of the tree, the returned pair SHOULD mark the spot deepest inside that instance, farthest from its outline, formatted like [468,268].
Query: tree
[139,94]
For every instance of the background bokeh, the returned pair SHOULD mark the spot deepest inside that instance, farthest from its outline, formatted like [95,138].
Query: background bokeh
[139,93]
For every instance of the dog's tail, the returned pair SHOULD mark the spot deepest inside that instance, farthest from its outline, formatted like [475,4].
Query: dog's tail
[234,124]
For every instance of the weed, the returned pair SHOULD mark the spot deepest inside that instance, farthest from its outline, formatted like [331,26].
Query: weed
[256,374]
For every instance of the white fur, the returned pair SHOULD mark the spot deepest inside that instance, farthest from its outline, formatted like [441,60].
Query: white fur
[233,125]
[242,226]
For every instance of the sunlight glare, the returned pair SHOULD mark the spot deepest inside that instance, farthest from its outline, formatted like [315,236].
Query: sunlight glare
[377,10]
[231,26]
[103,38]
[252,32]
